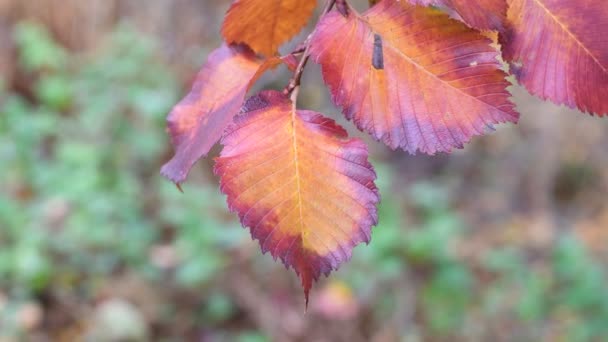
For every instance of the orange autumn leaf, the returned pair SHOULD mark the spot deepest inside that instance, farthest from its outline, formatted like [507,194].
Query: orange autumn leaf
[412,77]
[265,25]
[197,122]
[558,49]
[479,14]
[303,188]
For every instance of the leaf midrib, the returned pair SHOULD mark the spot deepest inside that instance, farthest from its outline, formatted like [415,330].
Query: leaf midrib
[297,167]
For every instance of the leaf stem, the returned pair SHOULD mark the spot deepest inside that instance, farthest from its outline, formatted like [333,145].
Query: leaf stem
[294,83]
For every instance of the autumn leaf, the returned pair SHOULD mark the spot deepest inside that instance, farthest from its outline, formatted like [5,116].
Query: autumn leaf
[303,188]
[412,77]
[197,122]
[558,49]
[266,24]
[479,14]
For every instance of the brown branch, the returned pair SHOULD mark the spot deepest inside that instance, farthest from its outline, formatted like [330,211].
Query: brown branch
[294,83]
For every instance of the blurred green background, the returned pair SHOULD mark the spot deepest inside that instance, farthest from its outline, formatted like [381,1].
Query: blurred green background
[506,240]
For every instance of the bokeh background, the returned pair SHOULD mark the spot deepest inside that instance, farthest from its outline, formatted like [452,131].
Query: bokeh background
[506,240]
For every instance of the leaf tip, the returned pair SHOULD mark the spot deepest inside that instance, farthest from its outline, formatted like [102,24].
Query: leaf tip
[174,171]
[306,279]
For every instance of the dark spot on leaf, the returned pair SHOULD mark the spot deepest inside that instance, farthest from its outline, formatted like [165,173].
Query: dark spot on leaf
[378,55]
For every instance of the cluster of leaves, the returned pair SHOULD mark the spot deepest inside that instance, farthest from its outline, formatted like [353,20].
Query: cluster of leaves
[51,241]
[420,75]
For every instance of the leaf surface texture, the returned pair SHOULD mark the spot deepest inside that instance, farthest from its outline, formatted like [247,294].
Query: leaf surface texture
[266,24]
[440,84]
[198,121]
[558,49]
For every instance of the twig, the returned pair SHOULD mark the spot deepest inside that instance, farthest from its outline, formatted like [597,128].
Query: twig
[294,83]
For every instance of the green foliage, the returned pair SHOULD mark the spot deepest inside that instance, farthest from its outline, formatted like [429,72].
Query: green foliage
[52,154]
[567,291]
[38,52]
[580,286]
[401,247]
[81,196]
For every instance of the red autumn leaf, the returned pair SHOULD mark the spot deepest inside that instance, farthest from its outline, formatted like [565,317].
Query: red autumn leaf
[412,77]
[266,24]
[303,188]
[559,51]
[197,122]
[479,14]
